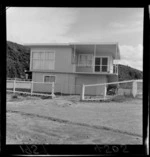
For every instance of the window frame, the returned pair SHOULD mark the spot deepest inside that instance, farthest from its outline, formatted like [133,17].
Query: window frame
[108,60]
[49,76]
[43,60]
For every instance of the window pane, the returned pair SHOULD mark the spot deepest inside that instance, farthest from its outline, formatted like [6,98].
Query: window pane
[36,55]
[49,55]
[104,61]
[49,79]
[82,59]
[43,55]
[42,62]
[97,61]
[46,55]
[89,62]
[52,78]
[97,68]
[104,68]
[46,79]
[89,57]
[52,55]
[36,64]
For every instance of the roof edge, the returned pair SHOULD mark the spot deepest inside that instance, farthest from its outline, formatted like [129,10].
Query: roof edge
[70,44]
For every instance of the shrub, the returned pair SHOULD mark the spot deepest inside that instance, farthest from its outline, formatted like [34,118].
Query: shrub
[14,96]
[112,89]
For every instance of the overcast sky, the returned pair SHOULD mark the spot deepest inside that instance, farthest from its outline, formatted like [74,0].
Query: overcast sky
[46,25]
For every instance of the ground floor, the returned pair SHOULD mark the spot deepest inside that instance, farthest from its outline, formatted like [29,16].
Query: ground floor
[69,83]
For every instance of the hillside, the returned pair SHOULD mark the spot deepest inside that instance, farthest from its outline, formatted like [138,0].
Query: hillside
[128,73]
[18,58]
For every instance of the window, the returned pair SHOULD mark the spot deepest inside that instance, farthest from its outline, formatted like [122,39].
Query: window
[49,78]
[85,60]
[101,64]
[43,60]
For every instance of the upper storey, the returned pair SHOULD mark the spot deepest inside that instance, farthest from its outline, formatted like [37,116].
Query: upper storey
[75,58]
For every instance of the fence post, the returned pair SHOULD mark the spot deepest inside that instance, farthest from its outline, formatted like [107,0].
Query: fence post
[31,87]
[14,85]
[105,91]
[61,86]
[53,95]
[134,88]
[82,92]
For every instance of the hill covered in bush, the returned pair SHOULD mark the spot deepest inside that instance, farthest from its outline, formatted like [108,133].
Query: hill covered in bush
[18,58]
[128,73]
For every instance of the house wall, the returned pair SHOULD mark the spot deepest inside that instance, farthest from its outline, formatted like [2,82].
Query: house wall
[92,79]
[69,83]
[62,58]
[84,69]
[64,82]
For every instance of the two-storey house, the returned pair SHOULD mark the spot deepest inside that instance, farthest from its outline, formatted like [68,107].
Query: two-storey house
[73,64]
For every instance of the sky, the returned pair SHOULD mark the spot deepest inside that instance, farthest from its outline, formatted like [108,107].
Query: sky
[63,25]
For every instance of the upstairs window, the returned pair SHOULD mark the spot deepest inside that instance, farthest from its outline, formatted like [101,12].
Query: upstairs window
[101,64]
[85,60]
[43,60]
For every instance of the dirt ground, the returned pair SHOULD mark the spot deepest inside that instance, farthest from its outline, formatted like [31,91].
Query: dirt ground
[66,120]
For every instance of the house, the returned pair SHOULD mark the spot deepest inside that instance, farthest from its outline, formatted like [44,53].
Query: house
[70,65]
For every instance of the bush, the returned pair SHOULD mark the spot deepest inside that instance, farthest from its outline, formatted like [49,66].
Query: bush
[14,96]
[112,89]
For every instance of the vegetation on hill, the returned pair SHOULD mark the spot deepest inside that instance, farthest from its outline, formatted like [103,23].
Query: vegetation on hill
[128,73]
[18,58]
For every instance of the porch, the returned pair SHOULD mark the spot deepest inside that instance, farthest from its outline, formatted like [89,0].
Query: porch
[95,58]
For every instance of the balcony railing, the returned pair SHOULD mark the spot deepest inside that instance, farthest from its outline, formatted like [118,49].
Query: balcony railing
[103,69]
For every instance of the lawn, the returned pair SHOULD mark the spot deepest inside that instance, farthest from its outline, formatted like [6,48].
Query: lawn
[67,120]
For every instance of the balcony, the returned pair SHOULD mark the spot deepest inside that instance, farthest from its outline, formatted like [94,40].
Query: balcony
[95,59]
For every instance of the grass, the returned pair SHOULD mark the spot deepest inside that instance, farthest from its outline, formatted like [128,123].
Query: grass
[121,98]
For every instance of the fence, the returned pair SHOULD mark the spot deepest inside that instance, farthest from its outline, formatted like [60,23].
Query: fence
[41,88]
[109,90]
[30,87]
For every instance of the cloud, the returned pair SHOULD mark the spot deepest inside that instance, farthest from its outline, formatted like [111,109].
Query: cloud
[132,56]
[129,27]
[116,25]
[134,23]
[40,24]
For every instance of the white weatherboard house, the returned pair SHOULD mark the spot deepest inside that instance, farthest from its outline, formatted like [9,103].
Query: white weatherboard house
[73,64]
